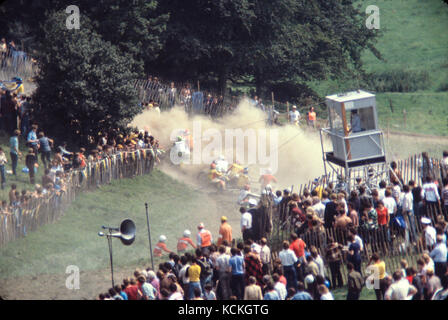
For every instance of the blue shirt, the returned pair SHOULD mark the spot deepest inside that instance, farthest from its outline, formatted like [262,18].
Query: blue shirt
[271,295]
[14,144]
[32,136]
[124,295]
[439,253]
[302,295]
[236,263]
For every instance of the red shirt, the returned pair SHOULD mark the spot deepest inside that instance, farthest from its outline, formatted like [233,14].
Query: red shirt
[132,292]
[298,246]
[282,279]
[382,216]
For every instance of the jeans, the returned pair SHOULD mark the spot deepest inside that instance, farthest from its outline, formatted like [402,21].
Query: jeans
[191,287]
[291,277]
[224,285]
[336,275]
[46,158]
[14,160]
[237,285]
[2,172]
[412,225]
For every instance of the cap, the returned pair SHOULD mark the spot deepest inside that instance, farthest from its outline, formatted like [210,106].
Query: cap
[223,218]
[309,279]
[426,220]
[294,107]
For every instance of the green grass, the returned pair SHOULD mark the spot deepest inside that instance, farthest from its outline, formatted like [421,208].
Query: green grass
[426,112]
[74,240]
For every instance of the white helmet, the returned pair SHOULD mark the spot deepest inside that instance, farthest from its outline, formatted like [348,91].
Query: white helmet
[187,233]
[162,238]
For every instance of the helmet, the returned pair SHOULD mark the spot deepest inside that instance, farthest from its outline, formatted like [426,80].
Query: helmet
[162,238]
[269,171]
[201,226]
[213,166]
[294,107]
[187,233]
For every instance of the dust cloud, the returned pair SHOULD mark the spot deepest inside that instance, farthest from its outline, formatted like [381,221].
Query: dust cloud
[297,150]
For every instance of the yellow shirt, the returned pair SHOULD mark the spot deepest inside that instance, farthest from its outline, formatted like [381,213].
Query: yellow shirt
[381,269]
[213,174]
[194,272]
[319,190]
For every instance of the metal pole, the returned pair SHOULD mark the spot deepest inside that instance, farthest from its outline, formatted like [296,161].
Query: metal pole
[109,240]
[149,236]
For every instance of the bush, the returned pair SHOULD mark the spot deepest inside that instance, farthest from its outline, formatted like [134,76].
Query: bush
[398,81]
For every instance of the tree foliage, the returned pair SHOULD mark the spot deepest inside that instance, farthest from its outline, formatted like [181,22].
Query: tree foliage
[272,41]
[85,84]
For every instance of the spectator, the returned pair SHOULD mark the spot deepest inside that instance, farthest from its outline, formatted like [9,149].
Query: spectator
[253,291]
[271,293]
[237,268]
[14,152]
[400,289]
[194,273]
[325,294]
[45,149]
[289,260]
[3,161]
[31,164]
[439,255]
[32,141]
[333,257]
[355,283]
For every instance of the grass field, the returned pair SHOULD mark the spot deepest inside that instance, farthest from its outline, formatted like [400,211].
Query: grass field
[73,240]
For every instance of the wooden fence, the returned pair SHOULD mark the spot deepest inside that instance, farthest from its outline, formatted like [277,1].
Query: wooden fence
[392,244]
[48,208]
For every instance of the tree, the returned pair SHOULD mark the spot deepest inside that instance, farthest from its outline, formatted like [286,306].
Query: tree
[204,39]
[85,84]
[133,26]
[269,41]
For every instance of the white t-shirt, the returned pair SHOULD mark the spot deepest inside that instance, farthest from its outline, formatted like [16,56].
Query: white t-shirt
[327,296]
[176,296]
[320,209]
[183,274]
[390,204]
[430,236]
[294,115]
[287,257]
[281,290]
[246,220]
[399,290]
[222,262]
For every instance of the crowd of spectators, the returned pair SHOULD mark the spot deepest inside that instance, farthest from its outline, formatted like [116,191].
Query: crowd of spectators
[300,271]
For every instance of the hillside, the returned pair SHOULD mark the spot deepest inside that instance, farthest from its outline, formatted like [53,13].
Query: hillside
[413,41]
